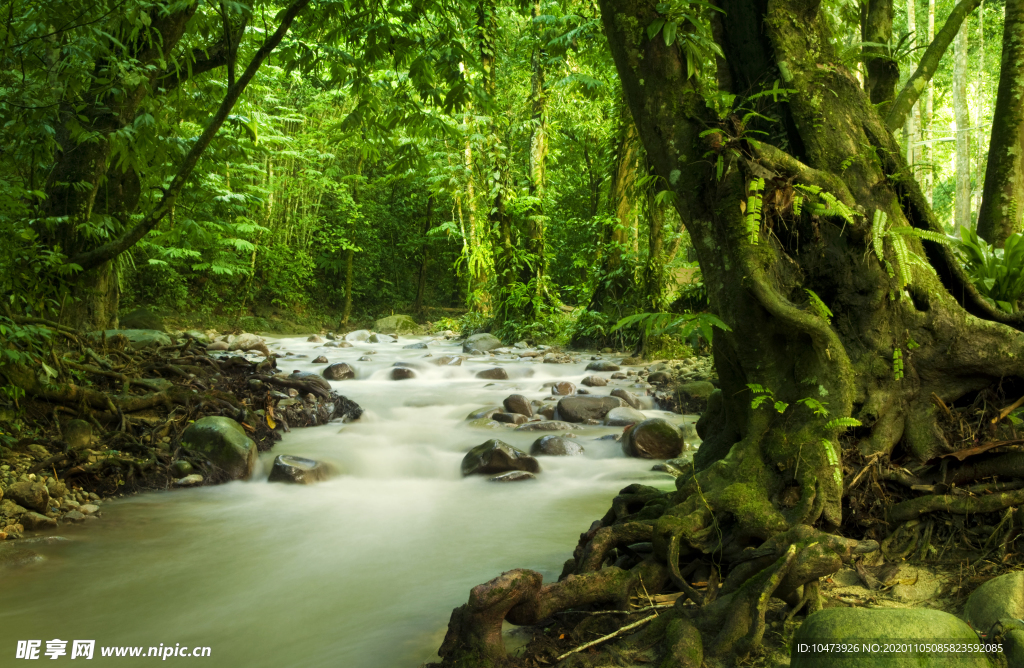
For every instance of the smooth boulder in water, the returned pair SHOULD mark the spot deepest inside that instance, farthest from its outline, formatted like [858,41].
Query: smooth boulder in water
[545,425]
[449,360]
[654,438]
[420,345]
[517,403]
[402,373]
[358,336]
[339,371]
[581,409]
[510,418]
[623,416]
[381,338]
[884,625]
[483,413]
[496,456]
[496,373]
[563,387]
[298,470]
[320,359]
[555,446]
[224,442]
[602,365]
[594,381]
[627,397]
[480,343]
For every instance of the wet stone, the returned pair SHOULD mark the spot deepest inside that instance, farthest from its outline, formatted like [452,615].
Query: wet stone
[512,476]
[298,470]
[517,403]
[496,373]
[496,456]
[555,446]
[512,418]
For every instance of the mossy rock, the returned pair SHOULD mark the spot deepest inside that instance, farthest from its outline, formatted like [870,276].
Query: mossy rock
[879,626]
[654,438]
[138,338]
[224,442]
[397,324]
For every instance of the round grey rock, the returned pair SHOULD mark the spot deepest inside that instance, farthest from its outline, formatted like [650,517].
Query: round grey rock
[654,438]
[555,446]
[496,456]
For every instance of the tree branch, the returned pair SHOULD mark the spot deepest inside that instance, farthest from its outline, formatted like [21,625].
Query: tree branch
[929,64]
[109,251]
[214,58]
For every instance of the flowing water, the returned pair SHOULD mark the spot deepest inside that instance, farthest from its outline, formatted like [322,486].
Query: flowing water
[360,571]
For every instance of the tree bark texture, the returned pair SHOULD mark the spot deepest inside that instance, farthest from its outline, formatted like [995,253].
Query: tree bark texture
[962,115]
[1002,211]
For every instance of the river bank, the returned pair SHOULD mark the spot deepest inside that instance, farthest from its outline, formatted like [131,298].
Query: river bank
[381,550]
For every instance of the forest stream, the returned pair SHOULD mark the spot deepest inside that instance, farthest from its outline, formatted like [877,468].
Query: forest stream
[361,570]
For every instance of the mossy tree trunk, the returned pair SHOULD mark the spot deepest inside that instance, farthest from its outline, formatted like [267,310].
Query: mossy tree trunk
[894,337]
[1002,204]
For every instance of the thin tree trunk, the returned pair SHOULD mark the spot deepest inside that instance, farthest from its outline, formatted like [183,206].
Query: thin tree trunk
[962,197]
[882,72]
[1001,205]
[349,253]
[910,128]
[926,125]
[421,286]
[537,167]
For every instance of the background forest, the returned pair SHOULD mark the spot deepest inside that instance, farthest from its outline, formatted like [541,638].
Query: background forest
[475,158]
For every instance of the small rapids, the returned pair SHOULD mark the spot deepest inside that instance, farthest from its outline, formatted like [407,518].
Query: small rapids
[360,571]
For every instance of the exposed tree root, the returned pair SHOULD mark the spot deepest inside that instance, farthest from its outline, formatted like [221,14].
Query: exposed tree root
[140,401]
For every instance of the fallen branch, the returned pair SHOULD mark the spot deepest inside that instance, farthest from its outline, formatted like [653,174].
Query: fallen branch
[602,639]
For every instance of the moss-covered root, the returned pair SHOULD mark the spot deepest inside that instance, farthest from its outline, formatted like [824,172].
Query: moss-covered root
[683,645]
[474,630]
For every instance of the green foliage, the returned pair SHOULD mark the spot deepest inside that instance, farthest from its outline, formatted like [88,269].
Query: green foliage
[686,23]
[998,273]
[752,219]
[822,203]
[681,326]
[818,306]
[897,364]
[25,345]
[903,257]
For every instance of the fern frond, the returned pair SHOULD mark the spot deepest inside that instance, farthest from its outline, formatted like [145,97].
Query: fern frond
[842,423]
[819,306]
[899,247]
[878,234]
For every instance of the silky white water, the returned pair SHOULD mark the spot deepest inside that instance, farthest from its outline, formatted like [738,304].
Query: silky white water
[361,571]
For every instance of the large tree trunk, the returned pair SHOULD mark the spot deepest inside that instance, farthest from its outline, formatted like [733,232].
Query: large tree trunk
[1002,211]
[894,339]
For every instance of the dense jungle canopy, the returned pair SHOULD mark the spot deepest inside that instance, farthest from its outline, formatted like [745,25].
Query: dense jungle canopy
[826,193]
